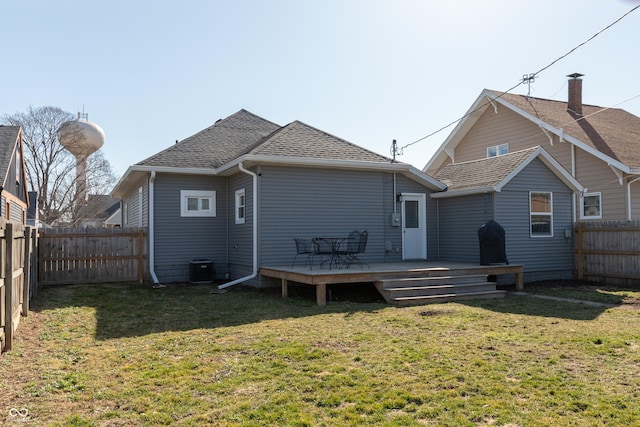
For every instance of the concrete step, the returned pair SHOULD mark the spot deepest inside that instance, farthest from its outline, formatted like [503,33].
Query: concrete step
[431,299]
[411,282]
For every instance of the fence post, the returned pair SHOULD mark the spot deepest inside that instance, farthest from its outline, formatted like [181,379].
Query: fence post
[33,263]
[8,287]
[579,249]
[26,272]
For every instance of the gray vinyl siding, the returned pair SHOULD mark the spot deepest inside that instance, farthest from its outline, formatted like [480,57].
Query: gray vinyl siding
[180,240]
[405,185]
[16,213]
[132,211]
[240,235]
[542,257]
[309,202]
[144,209]
[460,218]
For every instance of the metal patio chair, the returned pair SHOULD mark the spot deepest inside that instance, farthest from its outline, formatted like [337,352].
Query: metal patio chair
[304,247]
[323,248]
[356,244]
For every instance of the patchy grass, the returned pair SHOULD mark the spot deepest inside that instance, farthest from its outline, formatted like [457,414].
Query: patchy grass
[129,355]
[586,291]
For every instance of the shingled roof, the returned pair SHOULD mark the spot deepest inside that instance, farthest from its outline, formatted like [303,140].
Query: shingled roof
[225,140]
[244,138]
[491,174]
[245,133]
[482,173]
[612,131]
[300,140]
[8,138]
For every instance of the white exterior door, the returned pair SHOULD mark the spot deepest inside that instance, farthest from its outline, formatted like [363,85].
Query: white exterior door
[414,227]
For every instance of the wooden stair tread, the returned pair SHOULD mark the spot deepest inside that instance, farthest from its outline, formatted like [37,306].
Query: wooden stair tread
[417,300]
[437,287]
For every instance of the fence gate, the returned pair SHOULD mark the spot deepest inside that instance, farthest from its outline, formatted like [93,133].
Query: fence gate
[92,255]
[14,282]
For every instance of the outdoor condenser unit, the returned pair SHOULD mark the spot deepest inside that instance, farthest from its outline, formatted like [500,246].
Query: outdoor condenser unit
[201,271]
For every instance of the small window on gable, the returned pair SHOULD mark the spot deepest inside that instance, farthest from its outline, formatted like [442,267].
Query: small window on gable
[498,150]
[240,206]
[592,206]
[541,214]
[197,203]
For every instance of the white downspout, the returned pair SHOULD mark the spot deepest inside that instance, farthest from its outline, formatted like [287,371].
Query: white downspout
[255,231]
[151,231]
[629,197]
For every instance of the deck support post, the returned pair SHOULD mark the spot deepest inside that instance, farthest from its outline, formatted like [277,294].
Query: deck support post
[519,280]
[285,288]
[321,294]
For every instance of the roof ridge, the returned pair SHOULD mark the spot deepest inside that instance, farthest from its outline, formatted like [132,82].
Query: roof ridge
[342,139]
[503,94]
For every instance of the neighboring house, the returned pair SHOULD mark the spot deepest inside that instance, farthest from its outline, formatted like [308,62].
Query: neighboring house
[33,217]
[100,210]
[599,147]
[13,187]
[240,191]
[528,193]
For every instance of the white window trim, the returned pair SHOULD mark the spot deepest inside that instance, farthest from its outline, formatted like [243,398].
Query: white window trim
[199,194]
[241,202]
[497,148]
[549,214]
[582,215]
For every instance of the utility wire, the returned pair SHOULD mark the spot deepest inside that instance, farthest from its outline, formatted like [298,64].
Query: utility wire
[522,81]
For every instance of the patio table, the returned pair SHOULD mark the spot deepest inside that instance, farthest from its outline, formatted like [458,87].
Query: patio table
[334,243]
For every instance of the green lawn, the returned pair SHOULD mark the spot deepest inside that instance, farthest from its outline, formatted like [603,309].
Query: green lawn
[117,355]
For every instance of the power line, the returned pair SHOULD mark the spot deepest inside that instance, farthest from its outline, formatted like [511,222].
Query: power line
[530,76]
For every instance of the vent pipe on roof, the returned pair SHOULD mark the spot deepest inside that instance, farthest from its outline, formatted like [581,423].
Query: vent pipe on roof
[574,104]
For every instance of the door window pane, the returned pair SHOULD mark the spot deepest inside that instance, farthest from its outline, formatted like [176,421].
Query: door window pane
[411,217]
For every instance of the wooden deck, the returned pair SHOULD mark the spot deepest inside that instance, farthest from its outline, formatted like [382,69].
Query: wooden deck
[320,277]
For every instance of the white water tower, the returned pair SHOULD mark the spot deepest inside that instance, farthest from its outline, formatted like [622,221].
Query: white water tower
[82,138]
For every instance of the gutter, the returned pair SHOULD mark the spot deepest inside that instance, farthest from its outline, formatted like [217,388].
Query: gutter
[464,192]
[629,196]
[254,273]
[152,271]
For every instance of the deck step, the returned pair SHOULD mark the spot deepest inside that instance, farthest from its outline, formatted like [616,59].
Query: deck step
[431,299]
[425,290]
[441,289]
[434,280]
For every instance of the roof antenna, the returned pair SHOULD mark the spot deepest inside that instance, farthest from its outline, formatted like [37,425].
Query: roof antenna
[395,151]
[528,79]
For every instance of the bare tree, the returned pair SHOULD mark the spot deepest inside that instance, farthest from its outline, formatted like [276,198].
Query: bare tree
[50,167]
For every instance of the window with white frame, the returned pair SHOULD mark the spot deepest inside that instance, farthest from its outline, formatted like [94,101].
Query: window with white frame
[240,206]
[197,203]
[592,206]
[541,213]
[498,150]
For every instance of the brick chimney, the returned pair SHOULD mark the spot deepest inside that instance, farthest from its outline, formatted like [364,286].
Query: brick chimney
[575,93]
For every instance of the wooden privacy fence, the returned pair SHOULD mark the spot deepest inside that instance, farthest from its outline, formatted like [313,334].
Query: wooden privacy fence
[17,283]
[608,251]
[92,255]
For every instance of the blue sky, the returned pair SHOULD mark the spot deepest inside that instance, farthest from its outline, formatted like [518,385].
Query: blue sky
[369,71]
